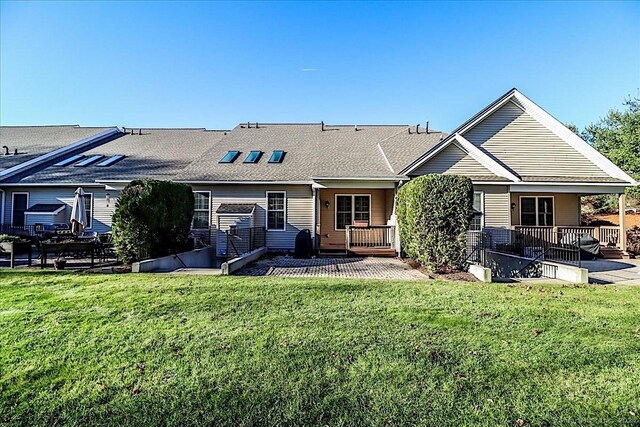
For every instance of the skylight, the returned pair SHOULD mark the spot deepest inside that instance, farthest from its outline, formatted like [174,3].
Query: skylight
[253,157]
[277,156]
[70,160]
[230,157]
[111,160]
[90,160]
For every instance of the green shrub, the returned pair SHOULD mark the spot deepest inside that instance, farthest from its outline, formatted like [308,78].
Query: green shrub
[434,212]
[633,240]
[9,238]
[152,219]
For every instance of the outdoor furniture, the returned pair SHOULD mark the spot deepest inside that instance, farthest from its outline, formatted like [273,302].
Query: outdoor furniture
[15,248]
[71,247]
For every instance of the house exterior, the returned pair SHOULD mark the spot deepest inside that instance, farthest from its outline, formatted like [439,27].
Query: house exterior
[339,181]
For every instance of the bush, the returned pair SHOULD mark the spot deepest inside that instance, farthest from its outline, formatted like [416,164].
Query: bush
[633,240]
[152,219]
[434,212]
[8,238]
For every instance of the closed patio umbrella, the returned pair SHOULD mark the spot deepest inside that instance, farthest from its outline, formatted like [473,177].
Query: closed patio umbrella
[78,212]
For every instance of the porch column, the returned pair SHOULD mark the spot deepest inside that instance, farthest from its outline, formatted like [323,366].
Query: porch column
[622,206]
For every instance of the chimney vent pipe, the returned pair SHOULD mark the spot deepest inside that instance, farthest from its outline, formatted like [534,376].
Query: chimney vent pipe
[322,125]
[427,126]
[417,129]
[6,150]
[140,131]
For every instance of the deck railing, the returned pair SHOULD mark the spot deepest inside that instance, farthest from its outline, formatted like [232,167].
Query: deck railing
[607,235]
[371,236]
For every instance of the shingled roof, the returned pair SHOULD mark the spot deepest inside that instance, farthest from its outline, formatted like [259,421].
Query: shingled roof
[34,141]
[156,153]
[311,152]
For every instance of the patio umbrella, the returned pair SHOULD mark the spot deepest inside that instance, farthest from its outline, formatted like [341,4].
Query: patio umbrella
[78,212]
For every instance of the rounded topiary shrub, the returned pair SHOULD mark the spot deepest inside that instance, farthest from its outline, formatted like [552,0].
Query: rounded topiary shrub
[433,214]
[152,219]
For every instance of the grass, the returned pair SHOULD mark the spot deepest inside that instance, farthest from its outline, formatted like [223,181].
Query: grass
[185,350]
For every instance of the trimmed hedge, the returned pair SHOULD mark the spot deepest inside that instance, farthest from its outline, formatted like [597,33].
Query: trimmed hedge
[433,214]
[152,219]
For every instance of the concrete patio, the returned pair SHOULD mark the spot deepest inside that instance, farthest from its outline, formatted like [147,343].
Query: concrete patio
[612,271]
[353,267]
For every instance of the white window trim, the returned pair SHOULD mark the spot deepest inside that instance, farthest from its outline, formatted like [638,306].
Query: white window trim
[537,197]
[90,211]
[482,207]
[266,216]
[13,203]
[353,208]
[208,210]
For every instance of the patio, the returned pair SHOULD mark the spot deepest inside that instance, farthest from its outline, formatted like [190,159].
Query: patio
[351,267]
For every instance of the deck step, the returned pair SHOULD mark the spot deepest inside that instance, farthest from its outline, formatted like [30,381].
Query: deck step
[373,252]
[612,253]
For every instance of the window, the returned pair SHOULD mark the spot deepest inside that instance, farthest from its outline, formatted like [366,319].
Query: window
[20,202]
[277,156]
[88,209]
[253,157]
[477,221]
[276,210]
[111,160]
[230,157]
[70,160]
[89,160]
[352,208]
[536,211]
[201,209]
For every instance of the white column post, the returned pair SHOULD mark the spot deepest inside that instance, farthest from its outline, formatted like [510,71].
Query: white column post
[622,206]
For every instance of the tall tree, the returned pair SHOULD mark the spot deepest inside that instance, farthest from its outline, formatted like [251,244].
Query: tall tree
[617,136]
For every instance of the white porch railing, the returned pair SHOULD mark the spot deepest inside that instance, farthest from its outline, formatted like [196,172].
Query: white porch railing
[371,237]
[607,235]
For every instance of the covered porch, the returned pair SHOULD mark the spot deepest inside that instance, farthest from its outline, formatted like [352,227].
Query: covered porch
[356,219]
[550,216]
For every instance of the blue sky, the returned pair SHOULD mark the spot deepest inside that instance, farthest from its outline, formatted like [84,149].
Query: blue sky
[217,64]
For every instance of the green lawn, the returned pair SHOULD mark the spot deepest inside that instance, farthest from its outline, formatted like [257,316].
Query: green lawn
[144,350]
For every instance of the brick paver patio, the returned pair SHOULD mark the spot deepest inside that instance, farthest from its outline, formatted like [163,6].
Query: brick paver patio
[355,267]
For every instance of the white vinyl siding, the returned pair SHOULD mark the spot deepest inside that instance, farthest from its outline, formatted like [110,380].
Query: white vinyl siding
[527,147]
[497,205]
[101,213]
[453,160]
[299,209]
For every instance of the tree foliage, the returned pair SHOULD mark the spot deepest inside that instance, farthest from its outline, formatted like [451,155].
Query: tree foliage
[434,212]
[617,136]
[152,218]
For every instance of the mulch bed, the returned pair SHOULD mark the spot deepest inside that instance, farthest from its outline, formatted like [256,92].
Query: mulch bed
[458,276]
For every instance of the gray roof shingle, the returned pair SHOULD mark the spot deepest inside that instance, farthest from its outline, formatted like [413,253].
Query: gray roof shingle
[337,152]
[35,141]
[157,153]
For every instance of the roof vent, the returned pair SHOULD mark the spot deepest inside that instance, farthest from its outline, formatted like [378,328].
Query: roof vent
[322,126]
[124,130]
[249,125]
[427,126]
[139,131]
[6,150]
[355,128]
[417,129]
[131,131]
[15,152]
[257,125]
[409,129]
[441,137]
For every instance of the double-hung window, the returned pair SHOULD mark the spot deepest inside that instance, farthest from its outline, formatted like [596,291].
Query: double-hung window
[201,210]
[536,211]
[276,210]
[477,221]
[88,209]
[352,208]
